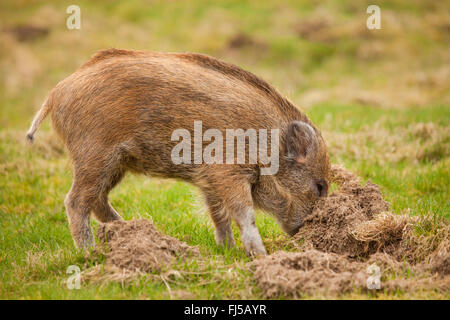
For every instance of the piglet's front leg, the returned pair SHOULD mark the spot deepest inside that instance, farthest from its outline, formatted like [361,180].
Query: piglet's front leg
[229,196]
[250,237]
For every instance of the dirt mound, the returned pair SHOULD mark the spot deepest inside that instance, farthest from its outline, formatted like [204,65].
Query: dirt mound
[307,272]
[353,221]
[137,245]
[317,273]
[347,233]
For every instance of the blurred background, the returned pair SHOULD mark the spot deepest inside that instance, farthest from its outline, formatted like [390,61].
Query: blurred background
[312,51]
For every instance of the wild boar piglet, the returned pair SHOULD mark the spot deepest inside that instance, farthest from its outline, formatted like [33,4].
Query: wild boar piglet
[166,115]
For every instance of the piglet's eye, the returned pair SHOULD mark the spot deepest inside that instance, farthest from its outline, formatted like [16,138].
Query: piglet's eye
[320,188]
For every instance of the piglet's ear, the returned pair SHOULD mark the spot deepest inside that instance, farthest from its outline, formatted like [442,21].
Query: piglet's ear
[301,141]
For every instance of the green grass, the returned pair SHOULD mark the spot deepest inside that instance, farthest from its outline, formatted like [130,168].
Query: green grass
[35,243]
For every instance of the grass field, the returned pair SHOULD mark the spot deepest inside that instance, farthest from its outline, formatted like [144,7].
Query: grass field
[381,98]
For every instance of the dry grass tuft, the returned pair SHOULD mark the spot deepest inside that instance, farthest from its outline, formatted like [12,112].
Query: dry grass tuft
[415,143]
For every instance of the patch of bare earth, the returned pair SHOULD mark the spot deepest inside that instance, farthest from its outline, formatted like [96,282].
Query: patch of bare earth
[348,232]
[136,247]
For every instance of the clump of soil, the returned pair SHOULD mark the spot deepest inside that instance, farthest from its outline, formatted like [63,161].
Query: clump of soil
[243,40]
[28,32]
[345,223]
[310,271]
[316,29]
[317,273]
[137,245]
[346,233]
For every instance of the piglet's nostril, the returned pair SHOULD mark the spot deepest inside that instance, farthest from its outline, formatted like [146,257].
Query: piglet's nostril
[294,231]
